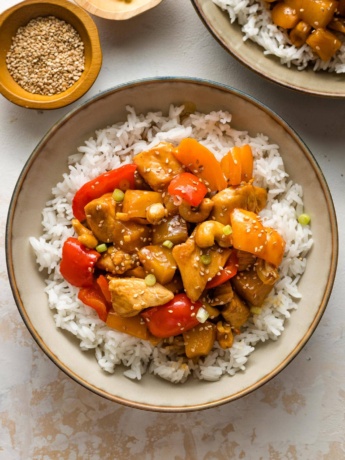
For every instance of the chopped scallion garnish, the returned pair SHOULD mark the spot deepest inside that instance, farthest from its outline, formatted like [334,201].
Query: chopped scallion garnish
[227,230]
[101,247]
[202,315]
[304,219]
[205,259]
[255,310]
[150,280]
[118,195]
[168,244]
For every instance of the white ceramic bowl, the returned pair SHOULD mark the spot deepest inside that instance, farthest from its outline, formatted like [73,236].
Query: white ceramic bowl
[44,169]
[251,55]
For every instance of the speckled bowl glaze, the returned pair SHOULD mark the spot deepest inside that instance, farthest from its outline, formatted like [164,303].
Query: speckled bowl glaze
[19,15]
[230,36]
[44,169]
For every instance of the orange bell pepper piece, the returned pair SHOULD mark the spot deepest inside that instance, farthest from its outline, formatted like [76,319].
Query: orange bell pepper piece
[250,235]
[134,325]
[238,164]
[201,162]
[247,162]
[231,166]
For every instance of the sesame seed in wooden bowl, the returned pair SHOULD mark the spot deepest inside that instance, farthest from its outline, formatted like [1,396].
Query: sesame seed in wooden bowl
[50,55]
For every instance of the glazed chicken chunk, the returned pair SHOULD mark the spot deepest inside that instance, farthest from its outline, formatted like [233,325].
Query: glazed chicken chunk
[163,166]
[100,217]
[194,273]
[245,196]
[131,295]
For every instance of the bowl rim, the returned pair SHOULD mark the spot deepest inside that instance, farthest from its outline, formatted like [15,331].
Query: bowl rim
[90,73]
[13,281]
[289,84]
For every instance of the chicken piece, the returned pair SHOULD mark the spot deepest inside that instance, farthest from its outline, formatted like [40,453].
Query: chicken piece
[158,165]
[236,312]
[250,287]
[131,295]
[245,196]
[116,261]
[100,217]
[194,273]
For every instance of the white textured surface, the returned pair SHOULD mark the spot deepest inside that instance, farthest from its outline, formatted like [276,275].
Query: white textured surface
[299,414]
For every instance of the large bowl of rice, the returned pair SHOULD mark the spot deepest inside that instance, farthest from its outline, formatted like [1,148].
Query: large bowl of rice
[108,130]
[245,30]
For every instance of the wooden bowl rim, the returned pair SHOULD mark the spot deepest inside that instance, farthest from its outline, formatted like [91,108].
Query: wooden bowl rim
[79,19]
[117,11]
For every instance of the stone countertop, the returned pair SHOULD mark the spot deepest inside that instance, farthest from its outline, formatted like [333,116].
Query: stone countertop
[297,415]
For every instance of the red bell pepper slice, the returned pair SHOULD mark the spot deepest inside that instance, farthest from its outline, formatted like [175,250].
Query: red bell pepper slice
[188,187]
[93,297]
[122,178]
[104,286]
[78,263]
[172,318]
[229,270]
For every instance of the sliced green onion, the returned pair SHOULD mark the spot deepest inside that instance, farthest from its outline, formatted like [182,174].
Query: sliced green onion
[202,315]
[101,247]
[227,230]
[304,219]
[168,244]
[118,195]
[255,310]
[205,259]
[150,280]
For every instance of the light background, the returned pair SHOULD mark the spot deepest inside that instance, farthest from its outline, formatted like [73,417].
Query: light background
[300,414]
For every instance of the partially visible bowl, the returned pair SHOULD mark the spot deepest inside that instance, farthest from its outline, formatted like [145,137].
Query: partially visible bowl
[18,16]
[45,168]
[117,9]
[230,36]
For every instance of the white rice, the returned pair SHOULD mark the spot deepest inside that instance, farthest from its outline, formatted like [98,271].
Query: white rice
[117,144]
[256,24]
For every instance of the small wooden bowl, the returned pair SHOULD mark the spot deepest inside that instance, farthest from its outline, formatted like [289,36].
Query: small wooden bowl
[19,15]
[117,9]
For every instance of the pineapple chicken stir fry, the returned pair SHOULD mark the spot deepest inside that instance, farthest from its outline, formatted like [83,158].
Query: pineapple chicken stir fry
[172,246]
[318,23]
